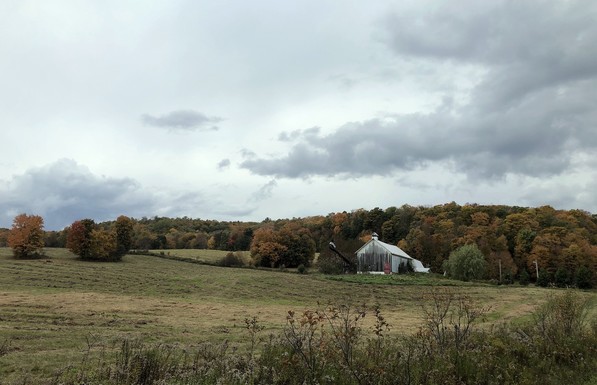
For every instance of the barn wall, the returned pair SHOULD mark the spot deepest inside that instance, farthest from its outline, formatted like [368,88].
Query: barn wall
[373,258]
[398,264]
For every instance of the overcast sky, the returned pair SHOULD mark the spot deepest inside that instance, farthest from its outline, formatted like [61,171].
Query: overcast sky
[241,110]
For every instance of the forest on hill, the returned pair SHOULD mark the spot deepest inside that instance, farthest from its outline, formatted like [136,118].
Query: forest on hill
[510,236]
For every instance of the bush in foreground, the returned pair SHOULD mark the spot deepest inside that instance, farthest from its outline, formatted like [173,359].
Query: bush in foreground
[331,345]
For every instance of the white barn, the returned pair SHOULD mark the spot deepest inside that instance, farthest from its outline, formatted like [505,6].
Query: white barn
[378,257]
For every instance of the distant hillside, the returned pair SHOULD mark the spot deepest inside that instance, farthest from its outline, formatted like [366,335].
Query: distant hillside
[512,236]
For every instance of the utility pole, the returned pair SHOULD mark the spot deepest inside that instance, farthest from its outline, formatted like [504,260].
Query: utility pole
[500,264]
[536,268]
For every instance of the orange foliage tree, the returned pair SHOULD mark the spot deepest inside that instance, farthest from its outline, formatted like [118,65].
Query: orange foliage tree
[559,248]
[26,237]
[290,246]
[78,239]
[266,248]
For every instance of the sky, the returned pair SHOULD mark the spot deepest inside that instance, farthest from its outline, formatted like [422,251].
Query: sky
[242,110]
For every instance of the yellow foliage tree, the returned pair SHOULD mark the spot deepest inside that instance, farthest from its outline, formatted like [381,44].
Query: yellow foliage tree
[104,246]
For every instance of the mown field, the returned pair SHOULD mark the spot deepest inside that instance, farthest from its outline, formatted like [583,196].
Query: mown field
[52,311]
[202,256]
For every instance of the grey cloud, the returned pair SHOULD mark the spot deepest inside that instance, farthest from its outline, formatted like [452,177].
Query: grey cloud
[527,140]
[264,192]
[524,46]
[182,203]
[344,82]
[563,194]
[531,111]
[371,147]
[65,191]
[186,203]
[186,120]
[236,212]
[223,164]
[246,153]
[297,134]
[493,32]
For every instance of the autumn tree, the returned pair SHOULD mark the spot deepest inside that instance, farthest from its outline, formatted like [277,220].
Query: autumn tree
[78,240]
[265,248]
[268,253]
[143,238]
[299,244]
[90,242]
[104,245]
[124,235]
[26,237]
[4,237]
[559,248]
[520,230]
[500,258]
[290,246]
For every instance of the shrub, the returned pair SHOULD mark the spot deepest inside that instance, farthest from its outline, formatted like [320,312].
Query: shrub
[4,347]
[328,263]
[562,317]
[302,269]
[544,278]
[466,263]
[232,260]
[523,277]
[562,278]
[406,268]
[583,278]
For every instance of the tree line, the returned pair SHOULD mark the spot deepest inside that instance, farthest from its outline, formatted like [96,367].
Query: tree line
[84,238]
[515,240]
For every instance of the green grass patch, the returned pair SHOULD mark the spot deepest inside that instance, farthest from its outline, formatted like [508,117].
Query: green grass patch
[401,279]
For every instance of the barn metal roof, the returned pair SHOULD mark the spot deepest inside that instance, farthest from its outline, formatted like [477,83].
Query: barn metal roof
[394,250]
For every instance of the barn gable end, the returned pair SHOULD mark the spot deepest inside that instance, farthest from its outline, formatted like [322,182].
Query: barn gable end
[376,256]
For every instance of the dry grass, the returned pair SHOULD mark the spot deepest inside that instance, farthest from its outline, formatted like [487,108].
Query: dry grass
[53,309]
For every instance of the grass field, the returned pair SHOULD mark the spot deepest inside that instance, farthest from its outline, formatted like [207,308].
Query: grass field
[203,256]
[53,310]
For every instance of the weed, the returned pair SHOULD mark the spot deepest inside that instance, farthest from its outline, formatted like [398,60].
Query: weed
[253,328]
[5,347]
